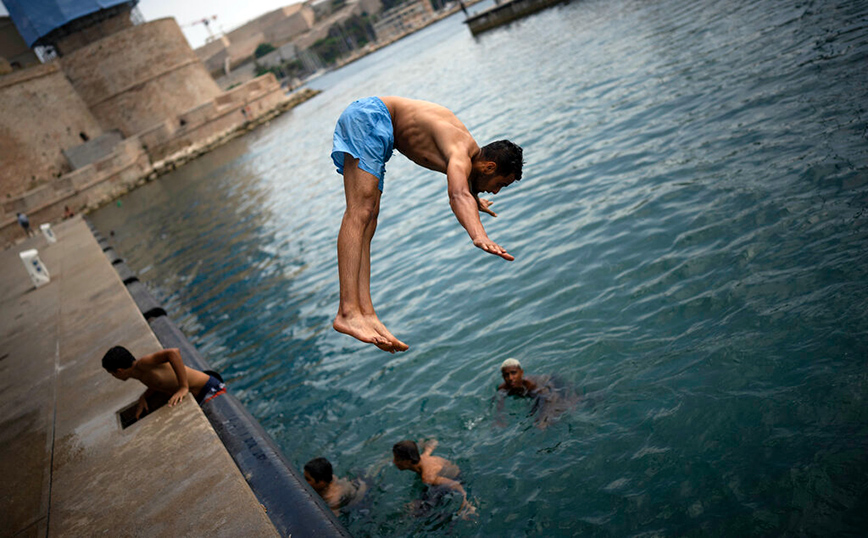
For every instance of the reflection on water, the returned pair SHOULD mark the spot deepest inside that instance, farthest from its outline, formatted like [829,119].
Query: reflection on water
[690,244]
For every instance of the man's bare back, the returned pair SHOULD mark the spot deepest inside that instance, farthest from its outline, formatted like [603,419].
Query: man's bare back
[161,377]
[435,467]
[433,470]
[429,134]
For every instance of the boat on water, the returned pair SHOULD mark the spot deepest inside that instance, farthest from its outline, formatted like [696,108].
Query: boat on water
[505,12]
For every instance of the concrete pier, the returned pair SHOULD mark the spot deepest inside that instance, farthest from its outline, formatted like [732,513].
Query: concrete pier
[68,467]
[506,12]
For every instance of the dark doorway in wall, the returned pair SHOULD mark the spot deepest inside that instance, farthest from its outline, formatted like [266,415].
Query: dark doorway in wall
[127,415]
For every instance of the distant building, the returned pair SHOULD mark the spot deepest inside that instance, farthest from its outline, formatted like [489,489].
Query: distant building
[281,55]
[122,96]
[402,19]
[322,8]
[321,29]
[237,47]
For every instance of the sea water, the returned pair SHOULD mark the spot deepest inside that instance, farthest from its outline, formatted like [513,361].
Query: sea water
[690,240]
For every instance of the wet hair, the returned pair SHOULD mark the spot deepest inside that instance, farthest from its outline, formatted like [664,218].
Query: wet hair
[510,363]
[319,469]
[116,358]
[406,451]
[506,155]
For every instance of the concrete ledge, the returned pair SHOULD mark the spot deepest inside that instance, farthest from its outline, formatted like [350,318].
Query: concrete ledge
[68,467]
[294,508]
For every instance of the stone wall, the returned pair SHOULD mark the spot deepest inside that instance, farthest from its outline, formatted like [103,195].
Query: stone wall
[134,160]
[96,28]
[210,121]
[40,116]
[85,187]
[239,75]
[146,74]
[293,25]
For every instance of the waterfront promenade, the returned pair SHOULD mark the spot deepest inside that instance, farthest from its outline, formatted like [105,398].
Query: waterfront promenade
[68,467]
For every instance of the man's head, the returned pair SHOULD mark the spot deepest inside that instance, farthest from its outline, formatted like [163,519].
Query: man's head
[512,373]
[118,361]
[318,473]
[405,454]
[496,166]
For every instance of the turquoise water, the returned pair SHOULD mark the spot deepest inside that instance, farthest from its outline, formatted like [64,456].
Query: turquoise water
[690,239]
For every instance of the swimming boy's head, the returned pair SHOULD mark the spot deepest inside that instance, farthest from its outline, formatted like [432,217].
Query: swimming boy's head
[512,373]
[405,454]
[118,361]
[497,165]
[318,473]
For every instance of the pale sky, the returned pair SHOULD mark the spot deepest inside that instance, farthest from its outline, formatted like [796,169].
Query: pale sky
[230,14]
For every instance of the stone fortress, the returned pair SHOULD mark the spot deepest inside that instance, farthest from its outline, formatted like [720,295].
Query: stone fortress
[120,99]
[111,101]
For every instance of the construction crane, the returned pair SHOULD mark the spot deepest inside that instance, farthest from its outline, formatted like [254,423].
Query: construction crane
[207,22]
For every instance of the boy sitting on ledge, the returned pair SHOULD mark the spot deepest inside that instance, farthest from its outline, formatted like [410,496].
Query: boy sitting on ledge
[162,372]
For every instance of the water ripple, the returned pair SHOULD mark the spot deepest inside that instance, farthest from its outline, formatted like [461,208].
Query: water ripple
[690,253]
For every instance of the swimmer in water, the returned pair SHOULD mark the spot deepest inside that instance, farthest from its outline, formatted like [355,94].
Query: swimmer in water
[430,136]
[434,470]
[336,492]
[551,398]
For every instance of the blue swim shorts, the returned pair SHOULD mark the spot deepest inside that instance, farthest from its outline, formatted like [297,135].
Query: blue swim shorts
[364,131]
[213,388]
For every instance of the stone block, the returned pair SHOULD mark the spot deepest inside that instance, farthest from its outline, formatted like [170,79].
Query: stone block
[93,150]
[80,178]
[198,115]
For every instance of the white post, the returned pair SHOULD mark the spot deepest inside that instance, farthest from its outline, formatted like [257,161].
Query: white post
[48,233]
[35,268]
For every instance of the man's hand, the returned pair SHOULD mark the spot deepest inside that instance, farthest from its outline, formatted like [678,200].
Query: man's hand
[143,406]
[483,206]
[429,446]
[178,396]
[467,510]
[491,247]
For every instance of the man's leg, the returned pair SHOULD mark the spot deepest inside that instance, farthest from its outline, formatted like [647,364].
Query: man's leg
[365,302]
[363,202]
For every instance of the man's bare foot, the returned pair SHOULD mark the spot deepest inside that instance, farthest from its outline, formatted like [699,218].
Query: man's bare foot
[378,326]
[359,328]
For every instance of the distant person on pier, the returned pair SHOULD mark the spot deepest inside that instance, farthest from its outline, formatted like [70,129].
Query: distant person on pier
[441,475]
[163,372]
[336,492]
[24,222]
[67,213]
[550,396]
[431,136]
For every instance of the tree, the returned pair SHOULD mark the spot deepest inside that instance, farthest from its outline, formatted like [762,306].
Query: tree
[262,49]
[328,49]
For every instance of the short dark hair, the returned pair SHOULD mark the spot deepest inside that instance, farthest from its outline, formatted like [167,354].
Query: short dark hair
[506,155]
[406,451]
[320,469]
[116,358]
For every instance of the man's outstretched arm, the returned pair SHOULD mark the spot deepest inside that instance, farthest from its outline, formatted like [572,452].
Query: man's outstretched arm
[466,208]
